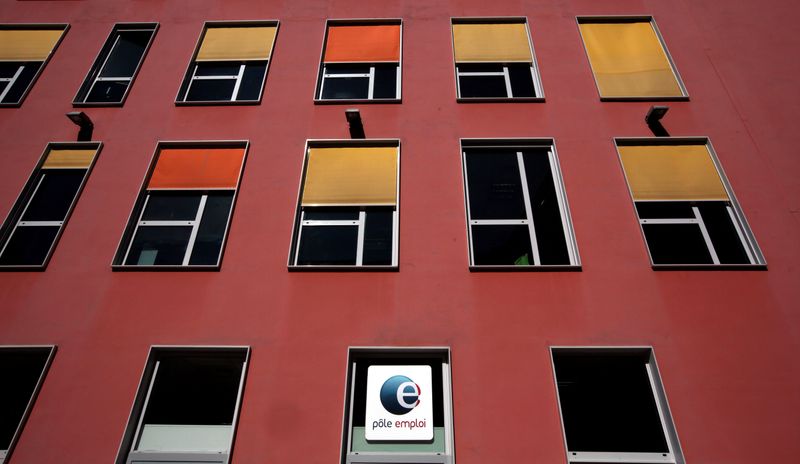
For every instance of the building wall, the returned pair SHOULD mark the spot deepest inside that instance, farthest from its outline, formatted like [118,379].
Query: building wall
[726,341]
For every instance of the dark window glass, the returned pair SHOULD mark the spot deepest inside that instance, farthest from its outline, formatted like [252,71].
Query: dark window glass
[217,69]
[676,244]
[331,245]
[22,82]
[550,238]
[521,80]
[334,214]
[483,86]
[54,195]
[208,242]
[385,85]
[159,245]
[126,54]
[8,69]
[250,88]
[495,188]
[480,67]
[501,245]
[664,210]
[107,91]
[608,404]
[378,230]
[3,86]
[722,232]
[167,206]
[345,88]
[29,245]
[211,90]
[21,370]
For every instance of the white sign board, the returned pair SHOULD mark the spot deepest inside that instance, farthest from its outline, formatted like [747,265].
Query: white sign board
[399,403]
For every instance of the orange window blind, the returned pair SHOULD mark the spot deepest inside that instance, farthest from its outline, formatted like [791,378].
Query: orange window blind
[241,43]
[351,176]
[66,158]
[28,44]
[197,168]
[363,43]
[500,42]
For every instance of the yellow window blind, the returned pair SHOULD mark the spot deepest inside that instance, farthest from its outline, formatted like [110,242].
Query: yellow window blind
[66,158]
[500,42]
[241,43]
[28,44]
[351,176]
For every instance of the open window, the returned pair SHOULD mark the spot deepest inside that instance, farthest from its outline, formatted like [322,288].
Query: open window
[186,407]
[613,406]
[399,406]
[23,369]
[516,205]
[181,217]
[112,74]
[361,60]
[686,208]
[494,60]
[24,50]
[230,63]
[32,229]
[348,208]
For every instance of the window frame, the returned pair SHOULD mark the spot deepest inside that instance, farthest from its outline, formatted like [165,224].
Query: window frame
[615,19]
[299,223]
[135,221]
[378,352]
[322,74]
[558,180]
[745,232]
[100,62]
[191,69]
[125,453]
[64,27]
[6,454]
[675,456]
[536,74]
[13,219]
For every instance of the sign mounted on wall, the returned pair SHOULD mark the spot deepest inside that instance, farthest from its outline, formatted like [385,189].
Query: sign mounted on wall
[399,403]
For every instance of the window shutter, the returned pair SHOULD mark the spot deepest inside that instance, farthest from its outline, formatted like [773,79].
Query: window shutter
[351,176]
[28,44]
[240,43]
[501,42]
[363,44]
[197,168]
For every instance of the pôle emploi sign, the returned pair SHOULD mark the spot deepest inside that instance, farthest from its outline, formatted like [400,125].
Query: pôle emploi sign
[399,403]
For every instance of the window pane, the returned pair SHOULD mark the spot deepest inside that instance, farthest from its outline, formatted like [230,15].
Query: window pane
[252,80]
[29,245]
[501,245]
[337,214]
[21,371]
[217,69]
[22,82]
[8,69]
[168,206]
[3,86]
[211,90]
[480,67]
[125,56]
[676,244]
[208,242]
[55,194]
[546,211]
[332,245]
[664,210]
[495,187]
[385,85]
[722,231]
[483,86]
[521,80]
[378,237]
[107,92]
[159,245]
[345,88]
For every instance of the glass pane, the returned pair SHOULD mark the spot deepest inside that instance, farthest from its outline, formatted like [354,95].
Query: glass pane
[107,92]
[347,68]
[22,82]
[344,88]
[211,90]
[218,69]
[28,246]
[480,67]
[550,237]
[159,245]
[8,69]
[337,214]
[169,206]
[501,245]
[332,245]
[483,87]
[676,244]
[724,237]
[378,230]
[55,194]
[385,85]
[664,210]
[21,371]
[124,57]
[495,187]
[3,86]
[521,80]
[208,242]
[608,404]
[252,80]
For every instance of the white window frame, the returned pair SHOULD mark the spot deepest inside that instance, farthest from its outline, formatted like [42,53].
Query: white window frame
[537,86]
[371,76]
[221,77]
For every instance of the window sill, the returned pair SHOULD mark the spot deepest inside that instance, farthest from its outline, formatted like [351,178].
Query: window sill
[643,99]
[97,104]
[23,268]
[500,100]
[709,267]
[364,101]
[512,268]
[219,103]
[329,268]
[164,268]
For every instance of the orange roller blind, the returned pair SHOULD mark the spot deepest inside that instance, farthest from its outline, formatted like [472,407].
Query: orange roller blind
[351,176]
[491,42]
[197,168]
[672,172]
[628,60]
[237,43]
[27,45]
[69,158]
[363,43]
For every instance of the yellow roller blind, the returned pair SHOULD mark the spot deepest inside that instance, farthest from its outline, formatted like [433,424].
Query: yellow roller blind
[628,60]
[491,42]
[237,43]
[67,158]
[351,176]
[28,44]
[672,172]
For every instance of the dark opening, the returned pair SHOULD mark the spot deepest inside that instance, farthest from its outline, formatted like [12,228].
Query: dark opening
[385,85]
[483,87]
[723,234]
[107,92]
[331,214]
[159,245]
[252,81]
[55,193]
[378,230]
[21,370]
[664,210]
[546,211]
[676,244]
[171,206]
[328,245]
[211,90]
[124,58]
[501,245]
[345,88]
[213,224]
[23,81]
[521,80]
[495,188]
[29,246]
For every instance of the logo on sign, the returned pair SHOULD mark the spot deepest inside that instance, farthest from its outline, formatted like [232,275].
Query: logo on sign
[399,405]
[399,395]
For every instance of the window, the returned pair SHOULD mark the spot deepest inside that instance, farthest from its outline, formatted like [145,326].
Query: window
[399,406]
[116,66]
[186,407]
[181,218]
[516,205]
[687,211]
[347,213]
[230,63]
[613,406]
[30,233]
[494,60]
[361,61]
[23,369]
[629,59]
[24,50]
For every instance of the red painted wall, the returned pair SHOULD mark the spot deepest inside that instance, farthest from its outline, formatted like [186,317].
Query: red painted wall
[726,341]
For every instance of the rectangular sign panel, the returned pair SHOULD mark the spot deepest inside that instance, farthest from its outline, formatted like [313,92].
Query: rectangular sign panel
[399,403]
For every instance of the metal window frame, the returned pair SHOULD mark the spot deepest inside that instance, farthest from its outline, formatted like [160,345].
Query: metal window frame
[745,233]
[377,352]
[126,453]
[322,74]
[14,218]
[134,217]
[6,454]
[100,62]
[63,27]
[535,72]
[189,76]
[675,455]
[588,19]
[298,215]
[561,193]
